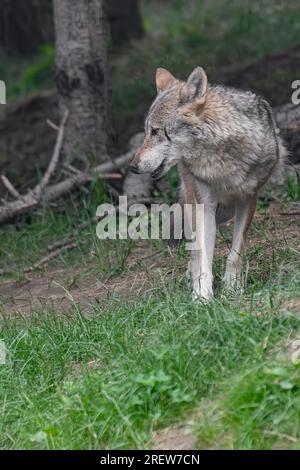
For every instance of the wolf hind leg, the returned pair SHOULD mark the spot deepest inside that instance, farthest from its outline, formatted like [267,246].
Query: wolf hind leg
[244,211]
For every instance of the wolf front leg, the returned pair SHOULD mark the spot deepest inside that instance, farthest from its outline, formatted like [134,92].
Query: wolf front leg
[203,233]
[244,212]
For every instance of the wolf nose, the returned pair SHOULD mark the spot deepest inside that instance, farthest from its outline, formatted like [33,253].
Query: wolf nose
[134,169]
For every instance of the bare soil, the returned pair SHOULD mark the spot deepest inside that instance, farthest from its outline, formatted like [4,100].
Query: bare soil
[175,438]
[56,288]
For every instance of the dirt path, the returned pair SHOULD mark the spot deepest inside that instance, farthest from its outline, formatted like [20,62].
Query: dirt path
[180,437]
[57,289]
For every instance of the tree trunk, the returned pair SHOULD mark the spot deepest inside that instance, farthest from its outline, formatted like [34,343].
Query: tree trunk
[81,75]
[25,25]
[125,21]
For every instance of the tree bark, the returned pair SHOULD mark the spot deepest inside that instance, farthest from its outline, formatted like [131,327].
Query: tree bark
[25,25]
[81,73]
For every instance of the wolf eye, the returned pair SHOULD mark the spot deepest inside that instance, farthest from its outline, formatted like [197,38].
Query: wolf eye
[166,134]
[154,131]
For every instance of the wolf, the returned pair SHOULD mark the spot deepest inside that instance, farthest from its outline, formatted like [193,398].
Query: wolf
[226,145]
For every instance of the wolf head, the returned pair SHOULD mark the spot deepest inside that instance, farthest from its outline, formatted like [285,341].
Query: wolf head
[172,123]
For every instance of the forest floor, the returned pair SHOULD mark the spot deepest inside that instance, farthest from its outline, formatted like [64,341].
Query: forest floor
[104,347]
[58,288]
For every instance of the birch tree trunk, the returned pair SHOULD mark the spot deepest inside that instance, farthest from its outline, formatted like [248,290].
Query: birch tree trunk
[81,74]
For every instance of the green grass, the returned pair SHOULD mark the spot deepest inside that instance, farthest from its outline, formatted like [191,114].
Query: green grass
[259,409]
[23,75]
[154,360]
[23,243]
[108,377]
[293,188]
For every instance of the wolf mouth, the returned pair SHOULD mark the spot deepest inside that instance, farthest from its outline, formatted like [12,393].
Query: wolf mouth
[157,173]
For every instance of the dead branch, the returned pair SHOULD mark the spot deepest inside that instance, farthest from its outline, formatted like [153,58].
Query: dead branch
[50,257]
[32,198]
[45,260]
[60,189]
[55,157]
[71,169]
[10,188]
[290,213]
[72,236]
[74,233]
[52,125]
[47,192]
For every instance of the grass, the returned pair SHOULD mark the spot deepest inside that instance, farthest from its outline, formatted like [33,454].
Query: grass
[152,361]
[24,75]
[108,377]
[26,242]
[259,409]
[293,188]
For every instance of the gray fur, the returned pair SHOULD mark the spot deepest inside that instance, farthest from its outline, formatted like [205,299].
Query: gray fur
[227,146]
[236,152]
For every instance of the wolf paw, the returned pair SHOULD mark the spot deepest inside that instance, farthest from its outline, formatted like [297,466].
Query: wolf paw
[202,294]
[201,298]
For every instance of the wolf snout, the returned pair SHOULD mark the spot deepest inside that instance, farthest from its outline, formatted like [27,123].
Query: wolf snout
[134,166]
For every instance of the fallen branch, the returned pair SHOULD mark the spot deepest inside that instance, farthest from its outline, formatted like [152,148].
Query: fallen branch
[72,236]
[46,192]
[52,125]
[32,198]
[45,260]
[55,157]
[71,169]
[10,188]
[290,213]
[60,189]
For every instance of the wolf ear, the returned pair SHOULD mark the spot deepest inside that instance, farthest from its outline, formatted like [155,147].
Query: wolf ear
[164,80]
[196,87]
